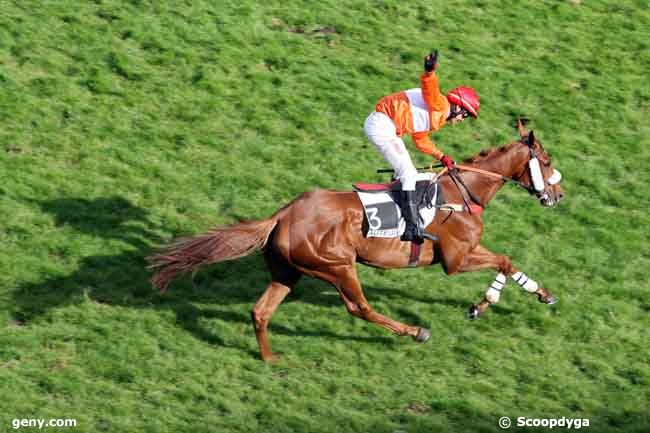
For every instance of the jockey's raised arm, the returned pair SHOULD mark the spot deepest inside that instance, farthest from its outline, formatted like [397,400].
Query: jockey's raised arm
[436,102]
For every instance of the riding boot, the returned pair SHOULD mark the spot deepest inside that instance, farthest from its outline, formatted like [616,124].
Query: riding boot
[413,230]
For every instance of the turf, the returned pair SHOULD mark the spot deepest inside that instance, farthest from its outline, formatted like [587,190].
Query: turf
[127,123]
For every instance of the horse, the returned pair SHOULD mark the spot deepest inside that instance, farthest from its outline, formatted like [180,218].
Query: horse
[321,234]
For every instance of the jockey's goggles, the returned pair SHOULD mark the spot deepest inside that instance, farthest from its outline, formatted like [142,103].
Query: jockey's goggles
[459,112]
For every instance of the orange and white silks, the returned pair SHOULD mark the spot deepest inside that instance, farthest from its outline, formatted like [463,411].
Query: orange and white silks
[417,112]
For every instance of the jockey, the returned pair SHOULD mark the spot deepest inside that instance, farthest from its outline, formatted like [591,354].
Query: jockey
[417,112]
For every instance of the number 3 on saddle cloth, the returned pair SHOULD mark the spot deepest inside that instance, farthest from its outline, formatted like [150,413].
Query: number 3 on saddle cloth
[382,207]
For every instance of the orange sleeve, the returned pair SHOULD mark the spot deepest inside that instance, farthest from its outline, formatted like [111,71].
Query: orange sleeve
[425,145]
[435,100]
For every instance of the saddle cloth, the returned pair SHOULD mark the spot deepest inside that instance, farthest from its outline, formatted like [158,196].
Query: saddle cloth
[382,209]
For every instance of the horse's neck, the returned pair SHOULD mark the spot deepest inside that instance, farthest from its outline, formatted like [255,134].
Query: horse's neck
[509,163]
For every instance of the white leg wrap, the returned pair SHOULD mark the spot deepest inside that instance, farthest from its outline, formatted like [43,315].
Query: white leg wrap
[494,292]
[528,284]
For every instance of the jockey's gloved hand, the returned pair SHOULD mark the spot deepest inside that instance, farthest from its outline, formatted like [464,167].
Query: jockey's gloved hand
[430,61]
[447,162]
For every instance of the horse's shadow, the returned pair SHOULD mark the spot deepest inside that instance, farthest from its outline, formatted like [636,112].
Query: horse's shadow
[122,279]
[114,279]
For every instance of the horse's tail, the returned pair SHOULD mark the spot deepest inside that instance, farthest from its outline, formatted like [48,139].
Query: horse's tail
[217,245]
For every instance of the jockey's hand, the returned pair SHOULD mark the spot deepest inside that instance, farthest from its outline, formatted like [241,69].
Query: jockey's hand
[431,61]
[447,162]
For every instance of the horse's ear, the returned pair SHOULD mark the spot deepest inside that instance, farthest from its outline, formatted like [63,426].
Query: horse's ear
[520,126]
[531,139]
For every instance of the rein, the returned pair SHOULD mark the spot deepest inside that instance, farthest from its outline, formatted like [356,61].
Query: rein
[492,175]
[475,170]
[536,186]
[458,181]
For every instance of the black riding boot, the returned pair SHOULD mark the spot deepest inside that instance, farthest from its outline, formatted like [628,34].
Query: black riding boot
[413,230]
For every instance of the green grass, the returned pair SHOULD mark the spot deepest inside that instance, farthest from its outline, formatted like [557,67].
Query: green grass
[126,123]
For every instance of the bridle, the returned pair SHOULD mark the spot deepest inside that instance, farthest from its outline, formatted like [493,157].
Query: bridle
[537,186]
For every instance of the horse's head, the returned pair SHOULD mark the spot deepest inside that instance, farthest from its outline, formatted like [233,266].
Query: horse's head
[539,176]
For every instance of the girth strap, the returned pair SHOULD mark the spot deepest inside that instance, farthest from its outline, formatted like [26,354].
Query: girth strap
[415,254]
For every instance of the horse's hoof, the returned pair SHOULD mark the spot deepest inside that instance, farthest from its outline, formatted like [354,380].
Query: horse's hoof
[473,312]
[548,299]
[423,335]
[272,359]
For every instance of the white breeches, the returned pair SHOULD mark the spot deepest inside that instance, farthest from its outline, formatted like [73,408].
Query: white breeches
[381,131]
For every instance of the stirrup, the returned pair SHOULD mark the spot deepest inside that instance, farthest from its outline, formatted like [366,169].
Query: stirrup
[429,236]
[420,235]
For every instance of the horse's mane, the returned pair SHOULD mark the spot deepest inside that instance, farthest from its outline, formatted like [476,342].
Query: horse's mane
[488,153]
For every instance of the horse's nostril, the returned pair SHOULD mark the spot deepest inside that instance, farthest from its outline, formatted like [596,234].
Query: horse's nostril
[560,196]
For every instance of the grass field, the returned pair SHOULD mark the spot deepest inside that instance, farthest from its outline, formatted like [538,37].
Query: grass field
[126,123]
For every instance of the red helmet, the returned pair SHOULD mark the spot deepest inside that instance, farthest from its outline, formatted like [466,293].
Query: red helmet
[466,98]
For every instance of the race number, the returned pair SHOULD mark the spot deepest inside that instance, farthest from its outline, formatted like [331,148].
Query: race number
[374,222]
[383,219]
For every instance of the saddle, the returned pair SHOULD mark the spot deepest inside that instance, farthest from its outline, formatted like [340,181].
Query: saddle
[425,190]
[382,203]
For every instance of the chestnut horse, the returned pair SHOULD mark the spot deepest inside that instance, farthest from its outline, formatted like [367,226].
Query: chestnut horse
[320,234]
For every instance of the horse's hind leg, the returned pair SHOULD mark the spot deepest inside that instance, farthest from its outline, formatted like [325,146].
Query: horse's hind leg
[261,315]
[347,283]
[284,277]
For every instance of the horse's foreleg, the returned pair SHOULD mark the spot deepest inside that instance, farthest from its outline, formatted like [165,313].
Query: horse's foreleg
[482,258]
[531,286]
[347,283]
